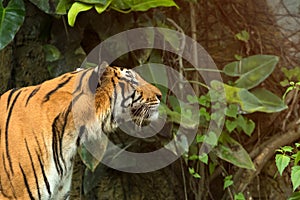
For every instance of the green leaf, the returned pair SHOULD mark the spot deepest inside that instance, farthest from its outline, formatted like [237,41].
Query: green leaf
[199,138]
[193,173]
[247,101]
[287,149]
[270,101]
[211,167]
[76,8]
[144,5]
[203,158]
[297,158]
[46,5]
[295,196]
[232,151]
[227,182]
[172,39]
[11,19]
[204,100]
[238,57]
[248,126]
[126,6]
[196,175]
[87,158]
[239,196]
[51,52]
[243,36]
[62,6]
[295,175]
[211,138]
[194,157]
[231,110]
[102,7]
[191,170]
[282,161]
[103,2]
[251,70]
[230,125]
[192,99]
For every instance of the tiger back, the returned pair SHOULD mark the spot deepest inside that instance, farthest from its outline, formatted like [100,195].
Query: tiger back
[38,134]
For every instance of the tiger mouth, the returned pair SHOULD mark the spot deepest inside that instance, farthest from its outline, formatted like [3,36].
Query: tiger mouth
[144,114]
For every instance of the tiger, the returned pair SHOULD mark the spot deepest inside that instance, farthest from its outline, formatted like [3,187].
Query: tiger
[39,138]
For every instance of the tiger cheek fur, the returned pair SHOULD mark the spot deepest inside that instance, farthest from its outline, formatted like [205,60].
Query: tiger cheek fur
[38,138]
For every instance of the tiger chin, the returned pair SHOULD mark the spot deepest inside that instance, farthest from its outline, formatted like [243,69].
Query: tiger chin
[42,126]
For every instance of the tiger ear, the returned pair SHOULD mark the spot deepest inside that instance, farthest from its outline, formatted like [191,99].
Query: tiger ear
[94,80]
[101,68]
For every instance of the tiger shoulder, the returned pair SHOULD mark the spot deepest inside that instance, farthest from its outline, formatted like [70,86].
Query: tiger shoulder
[42,126]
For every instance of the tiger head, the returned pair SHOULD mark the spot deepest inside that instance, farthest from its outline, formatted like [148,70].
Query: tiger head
[130,96]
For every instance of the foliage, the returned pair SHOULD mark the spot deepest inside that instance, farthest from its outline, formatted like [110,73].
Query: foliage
[284,157]
[12,16]
[241,98]
[11,19]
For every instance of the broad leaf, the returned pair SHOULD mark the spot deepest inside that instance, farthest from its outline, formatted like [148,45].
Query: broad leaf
[172,39]
[100,8]
[51,52]
[295,196]
[227,182]
[103,2]
[297,158]
[232,151]
[295,175]
[230,125]
[87,158]
[239,196]
[243,36]
[271,102]
[63,6]
[282,161]
[76,8]
[140,5]
[11,19]
[252,70]
[247,125]
[250,102]
[144,5]
[46,5]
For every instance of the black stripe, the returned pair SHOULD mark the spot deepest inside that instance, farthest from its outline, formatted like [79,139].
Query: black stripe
[32,94]
[93,82]
[65,120]
[38,143]
[80,81]
[9,97]
[33,169]
[135,100]
[26,182]
[8,176]
[44,176]
[81,132]
[55,137]
[115,100]
[6,131]
[75,72]
[122,85]
[47,97]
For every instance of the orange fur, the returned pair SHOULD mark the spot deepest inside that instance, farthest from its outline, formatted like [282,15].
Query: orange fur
[38,136]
